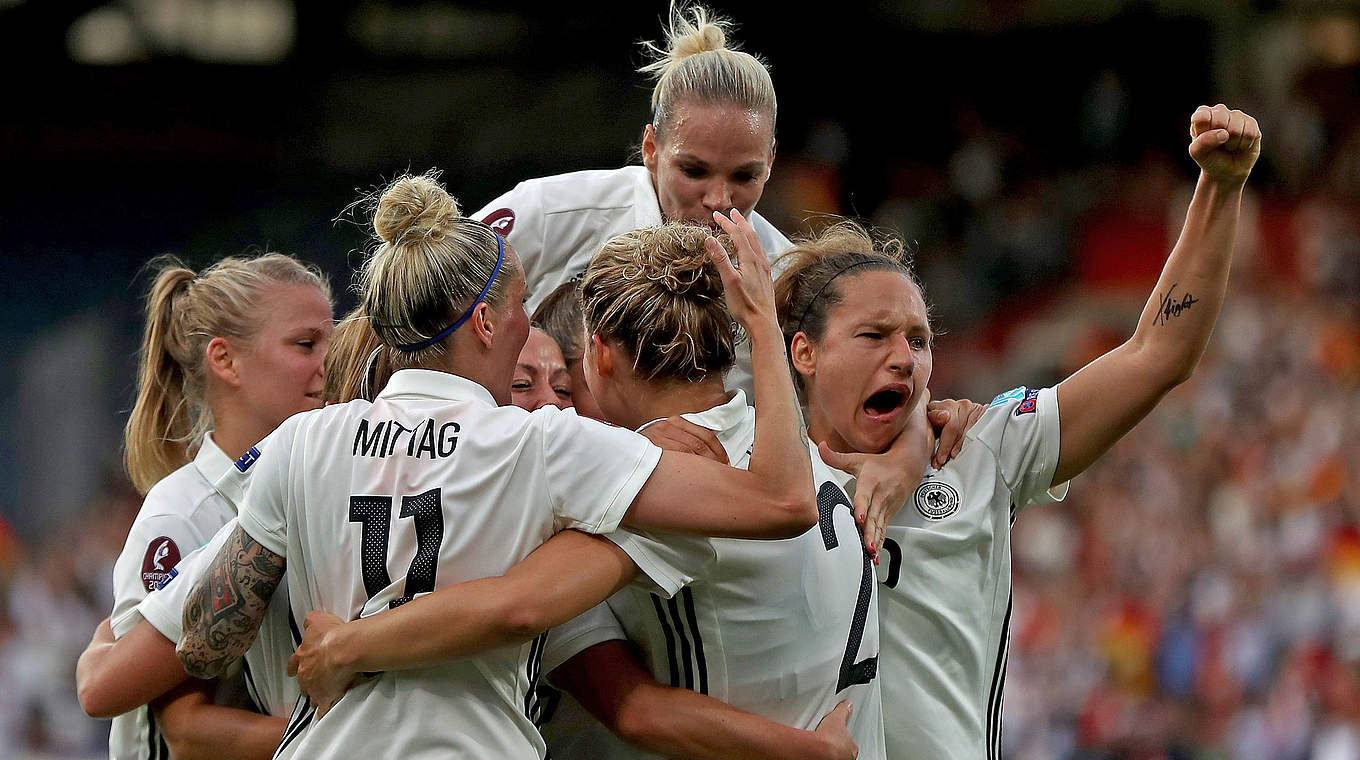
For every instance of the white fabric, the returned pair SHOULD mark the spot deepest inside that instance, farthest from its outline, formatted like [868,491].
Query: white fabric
[180,513]
[946,575]
[762,625]
[265,669]
[432,455]
[560,222]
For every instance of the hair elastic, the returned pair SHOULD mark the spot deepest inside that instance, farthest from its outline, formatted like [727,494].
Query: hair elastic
[447,331]
[828,282]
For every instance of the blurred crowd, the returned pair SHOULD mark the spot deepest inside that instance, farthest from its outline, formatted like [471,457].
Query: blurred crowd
[1198,593]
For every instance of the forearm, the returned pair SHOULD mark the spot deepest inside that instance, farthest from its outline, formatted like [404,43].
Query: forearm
[113,677]
[223,611]
[779,454]
[566,576]
[681,723]
[195,729]
[1179,317]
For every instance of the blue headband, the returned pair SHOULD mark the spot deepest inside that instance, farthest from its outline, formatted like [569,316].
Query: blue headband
[447,331]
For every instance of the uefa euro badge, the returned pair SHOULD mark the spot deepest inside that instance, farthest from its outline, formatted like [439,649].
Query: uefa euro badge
[936,500]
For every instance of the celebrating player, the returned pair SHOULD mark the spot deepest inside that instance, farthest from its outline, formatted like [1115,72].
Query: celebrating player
[416,486]
[863,359]
[541,377]
[226,356]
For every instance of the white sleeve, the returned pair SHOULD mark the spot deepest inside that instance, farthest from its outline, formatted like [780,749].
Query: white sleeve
[518,216]
[265,507]
[596,625]
[593,471]
[667,562]
[154,546]
[1021,430]
[164,607]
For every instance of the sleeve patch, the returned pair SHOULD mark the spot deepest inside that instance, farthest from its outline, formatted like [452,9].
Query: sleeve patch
[161,557]
[502,220]
[247,459]
[1030,404]
[1013,395]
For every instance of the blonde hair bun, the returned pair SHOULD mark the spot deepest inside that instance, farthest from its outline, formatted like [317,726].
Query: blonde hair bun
[701,34]
[414,208]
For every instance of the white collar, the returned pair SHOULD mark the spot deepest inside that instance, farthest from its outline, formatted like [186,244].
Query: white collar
[646,207]
[724,416]
[213,463]
[434,384]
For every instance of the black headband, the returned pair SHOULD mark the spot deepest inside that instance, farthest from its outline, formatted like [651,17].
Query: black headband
[843,270]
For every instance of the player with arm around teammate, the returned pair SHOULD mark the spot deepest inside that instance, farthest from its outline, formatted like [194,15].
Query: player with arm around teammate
[227,354]
[860,341]
[415,486]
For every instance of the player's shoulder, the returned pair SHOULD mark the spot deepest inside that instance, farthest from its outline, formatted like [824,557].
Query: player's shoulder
[1019,409]
[588,190]
[179,494]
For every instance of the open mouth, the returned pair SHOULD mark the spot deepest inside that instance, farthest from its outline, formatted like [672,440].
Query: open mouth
[885,401]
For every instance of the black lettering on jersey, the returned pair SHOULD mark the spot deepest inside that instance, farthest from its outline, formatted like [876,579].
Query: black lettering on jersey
[398,429]
[450,438]
[426,441]
[422,440]
[365,443]
[829,498]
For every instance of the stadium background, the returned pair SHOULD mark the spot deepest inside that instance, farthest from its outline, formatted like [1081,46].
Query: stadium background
[1197,596]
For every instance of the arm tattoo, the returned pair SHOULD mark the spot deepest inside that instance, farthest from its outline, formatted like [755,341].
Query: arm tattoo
[225,607]
[1170,307]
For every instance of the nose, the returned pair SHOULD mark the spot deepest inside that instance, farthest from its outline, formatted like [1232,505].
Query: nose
[718,196]
[900,358]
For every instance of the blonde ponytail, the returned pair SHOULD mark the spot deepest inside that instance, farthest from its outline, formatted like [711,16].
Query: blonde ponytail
[184,312]
[698,66]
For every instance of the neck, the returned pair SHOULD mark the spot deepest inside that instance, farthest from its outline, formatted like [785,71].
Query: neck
[656,401]
[820,430]
[235,430]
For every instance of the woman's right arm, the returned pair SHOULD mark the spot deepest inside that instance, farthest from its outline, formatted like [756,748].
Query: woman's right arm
[774,498]
[196,729]
[115,676]
[608,681]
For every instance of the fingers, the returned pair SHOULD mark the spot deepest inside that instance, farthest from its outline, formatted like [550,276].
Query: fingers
[293,661]
[1207,143]
[718,255]
[1199,121]
[679,434]
[844,462]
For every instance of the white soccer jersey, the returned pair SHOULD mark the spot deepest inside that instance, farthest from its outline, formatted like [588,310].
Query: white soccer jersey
[180,513]
[556,225]
[265,666]
[430,485]
[946,575]
[781,629]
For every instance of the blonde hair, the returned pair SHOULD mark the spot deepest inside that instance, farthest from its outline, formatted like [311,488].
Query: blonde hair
[184,312]
[429,266]
[656,293]
[357,363]
[560,317]
[697,66]
[810,285]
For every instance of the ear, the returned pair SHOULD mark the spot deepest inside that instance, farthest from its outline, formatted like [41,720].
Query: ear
[649,148]
[221,360]
[604,356]
[483,323]
[803,354]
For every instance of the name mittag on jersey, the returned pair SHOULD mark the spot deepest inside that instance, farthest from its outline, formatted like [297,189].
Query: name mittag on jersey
[428,438]
[247,459]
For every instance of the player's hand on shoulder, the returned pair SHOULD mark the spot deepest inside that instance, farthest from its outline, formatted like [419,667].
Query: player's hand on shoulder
[1225,143]
[320,676]
[837,743]
[679,434]
[951,419]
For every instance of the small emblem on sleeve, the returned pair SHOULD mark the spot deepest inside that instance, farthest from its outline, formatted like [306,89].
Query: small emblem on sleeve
[247,459]
[502,220]
[1029,405]
[936,500]
[170,576]
[161,556]
[1011,395]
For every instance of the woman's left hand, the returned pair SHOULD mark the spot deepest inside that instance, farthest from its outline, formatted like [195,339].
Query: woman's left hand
[319,677]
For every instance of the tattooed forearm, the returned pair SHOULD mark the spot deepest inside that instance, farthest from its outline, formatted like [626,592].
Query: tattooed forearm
[1171,306]
[225,607]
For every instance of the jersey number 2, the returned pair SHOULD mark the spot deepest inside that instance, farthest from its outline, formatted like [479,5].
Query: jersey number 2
[828,498]
[375,514]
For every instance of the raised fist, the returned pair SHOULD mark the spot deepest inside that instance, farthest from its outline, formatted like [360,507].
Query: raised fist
[1224,142]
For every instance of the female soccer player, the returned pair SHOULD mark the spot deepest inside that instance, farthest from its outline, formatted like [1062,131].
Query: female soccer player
[541,377]
[227,355]
[415,486]
[860,341]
